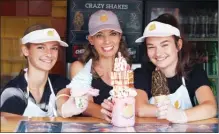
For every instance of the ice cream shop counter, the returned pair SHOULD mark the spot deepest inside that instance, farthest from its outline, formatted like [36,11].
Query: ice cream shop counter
[16,123]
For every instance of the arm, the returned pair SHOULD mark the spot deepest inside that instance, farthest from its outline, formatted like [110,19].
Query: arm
[207,107]
[13,101]
[143,108]
[93,109]
[63,95]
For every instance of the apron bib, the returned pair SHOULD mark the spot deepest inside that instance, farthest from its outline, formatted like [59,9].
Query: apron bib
[180,99]
[32,110]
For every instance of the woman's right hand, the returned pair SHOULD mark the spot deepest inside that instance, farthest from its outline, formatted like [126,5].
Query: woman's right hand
[107,107]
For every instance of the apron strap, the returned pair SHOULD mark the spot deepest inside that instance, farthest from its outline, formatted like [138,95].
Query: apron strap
[51,89]
[53,94]
[183,81]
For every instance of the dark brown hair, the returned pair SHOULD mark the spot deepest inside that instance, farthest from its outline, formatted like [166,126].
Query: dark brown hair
[186,59]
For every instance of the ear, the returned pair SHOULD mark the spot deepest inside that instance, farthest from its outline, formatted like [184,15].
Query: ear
[179,44]
[90,39]
[25,50]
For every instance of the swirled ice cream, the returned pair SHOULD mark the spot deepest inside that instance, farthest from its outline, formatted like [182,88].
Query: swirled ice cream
[80,88]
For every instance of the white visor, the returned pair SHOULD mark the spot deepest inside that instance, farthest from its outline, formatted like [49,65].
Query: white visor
[158,29]
[41,36]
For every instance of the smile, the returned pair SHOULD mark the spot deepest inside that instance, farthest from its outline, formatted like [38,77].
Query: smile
[161,59]
[106,49]
[46,61]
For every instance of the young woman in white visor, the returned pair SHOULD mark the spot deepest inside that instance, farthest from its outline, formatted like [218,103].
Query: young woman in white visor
[33,92]
[186,80]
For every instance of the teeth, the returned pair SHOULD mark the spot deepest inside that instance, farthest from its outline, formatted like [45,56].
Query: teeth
[47,61]
[107,48]
[161,59]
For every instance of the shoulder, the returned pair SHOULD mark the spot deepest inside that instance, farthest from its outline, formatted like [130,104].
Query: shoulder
[58,82]
[198,77]
[142,79]
[56,78]
[142,72]
[197,72]
[75,68]
[18,82]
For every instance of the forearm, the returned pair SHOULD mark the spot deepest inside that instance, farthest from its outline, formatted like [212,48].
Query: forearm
[62,97]
[93,110]
[146,110]
[142,106]
[202,111]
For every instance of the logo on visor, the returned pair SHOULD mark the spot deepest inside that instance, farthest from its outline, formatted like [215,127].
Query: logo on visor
[50,33]
[103,18]
[152,27]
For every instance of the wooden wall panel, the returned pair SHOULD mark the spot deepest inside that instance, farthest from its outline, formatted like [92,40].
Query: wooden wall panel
[22,8]
[41,20]
[40,7]
[60,25]
[7,8]
[13,26]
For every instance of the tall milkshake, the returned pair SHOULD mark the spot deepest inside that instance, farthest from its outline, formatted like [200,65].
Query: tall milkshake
[123,94]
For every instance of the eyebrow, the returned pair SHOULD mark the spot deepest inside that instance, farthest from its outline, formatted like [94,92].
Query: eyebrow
[56,44]
[164,41]
[148,44]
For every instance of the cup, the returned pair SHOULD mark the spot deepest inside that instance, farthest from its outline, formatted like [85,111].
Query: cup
[123,113]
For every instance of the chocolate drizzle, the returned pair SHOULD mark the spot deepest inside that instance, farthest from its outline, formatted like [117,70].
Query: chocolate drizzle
[159,84]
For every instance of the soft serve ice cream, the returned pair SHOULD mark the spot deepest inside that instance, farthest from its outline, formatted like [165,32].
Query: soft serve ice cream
[80,88]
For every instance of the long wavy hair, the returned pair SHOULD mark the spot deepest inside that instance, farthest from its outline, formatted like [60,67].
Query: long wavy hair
[186,59]
[91,53]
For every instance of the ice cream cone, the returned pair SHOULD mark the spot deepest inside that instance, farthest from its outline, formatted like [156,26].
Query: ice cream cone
[160,98]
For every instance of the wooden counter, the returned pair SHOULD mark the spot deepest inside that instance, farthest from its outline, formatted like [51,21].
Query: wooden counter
[9,122]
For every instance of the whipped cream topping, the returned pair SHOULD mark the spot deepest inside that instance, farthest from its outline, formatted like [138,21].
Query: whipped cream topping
[122,92]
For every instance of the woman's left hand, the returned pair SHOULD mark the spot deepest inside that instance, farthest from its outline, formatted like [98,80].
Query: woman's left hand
[167,111]
[106,110]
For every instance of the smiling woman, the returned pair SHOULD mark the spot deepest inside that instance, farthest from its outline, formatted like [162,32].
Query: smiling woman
[33,91]
[184,78]
[105,38]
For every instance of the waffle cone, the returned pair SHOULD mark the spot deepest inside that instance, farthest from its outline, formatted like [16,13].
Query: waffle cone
[160,98]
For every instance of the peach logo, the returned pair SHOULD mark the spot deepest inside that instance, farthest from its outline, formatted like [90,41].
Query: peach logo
[128,111]
[103,18]
[50,33]
[152,27]
[177,104]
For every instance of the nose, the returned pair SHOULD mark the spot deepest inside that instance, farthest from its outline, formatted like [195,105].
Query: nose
[48,52]
[106,39]
[158,51]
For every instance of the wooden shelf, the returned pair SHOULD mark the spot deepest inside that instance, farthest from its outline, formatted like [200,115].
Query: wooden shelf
[202,39]
[213,76]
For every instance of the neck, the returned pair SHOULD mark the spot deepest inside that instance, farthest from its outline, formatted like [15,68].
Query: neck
[36,79]
[169,71]
[106,64]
